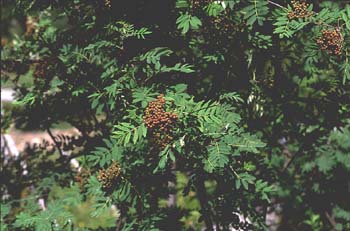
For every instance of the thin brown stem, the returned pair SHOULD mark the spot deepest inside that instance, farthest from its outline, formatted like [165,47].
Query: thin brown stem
[55,142]
[278,5]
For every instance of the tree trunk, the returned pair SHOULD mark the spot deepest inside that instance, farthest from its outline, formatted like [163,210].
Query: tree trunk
[203,200]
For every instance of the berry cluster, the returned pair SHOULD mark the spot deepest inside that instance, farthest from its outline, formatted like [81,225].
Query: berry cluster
[159,141]
[331,41]
[159,122]
[224,24]
[82,178]
[41,68]
[300,10]
[196,4]
[31,25]
[156,117]
[109,177]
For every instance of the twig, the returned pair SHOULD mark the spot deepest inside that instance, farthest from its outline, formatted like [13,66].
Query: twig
[5,146]
[320,23]
[121,219]
[331,221]
[54,140]
[278,5]
[286,9]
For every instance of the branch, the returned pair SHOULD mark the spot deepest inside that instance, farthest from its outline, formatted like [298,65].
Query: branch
[331,221]
[121,218]
[54,140]
[120,223]
[278,5]
[286,9]
[171,185]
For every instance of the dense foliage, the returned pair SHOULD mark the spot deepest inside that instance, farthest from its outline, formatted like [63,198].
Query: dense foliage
[191,114]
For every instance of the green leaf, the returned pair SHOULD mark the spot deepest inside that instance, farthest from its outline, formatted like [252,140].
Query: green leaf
[218,155]
[238,183]
[325,163]
[213,9]
[186,21]
[346,16]
[135,136]
[181,4]
[245,184]
[256,11]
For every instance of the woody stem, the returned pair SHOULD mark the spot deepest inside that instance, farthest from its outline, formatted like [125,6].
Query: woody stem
[278,5]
